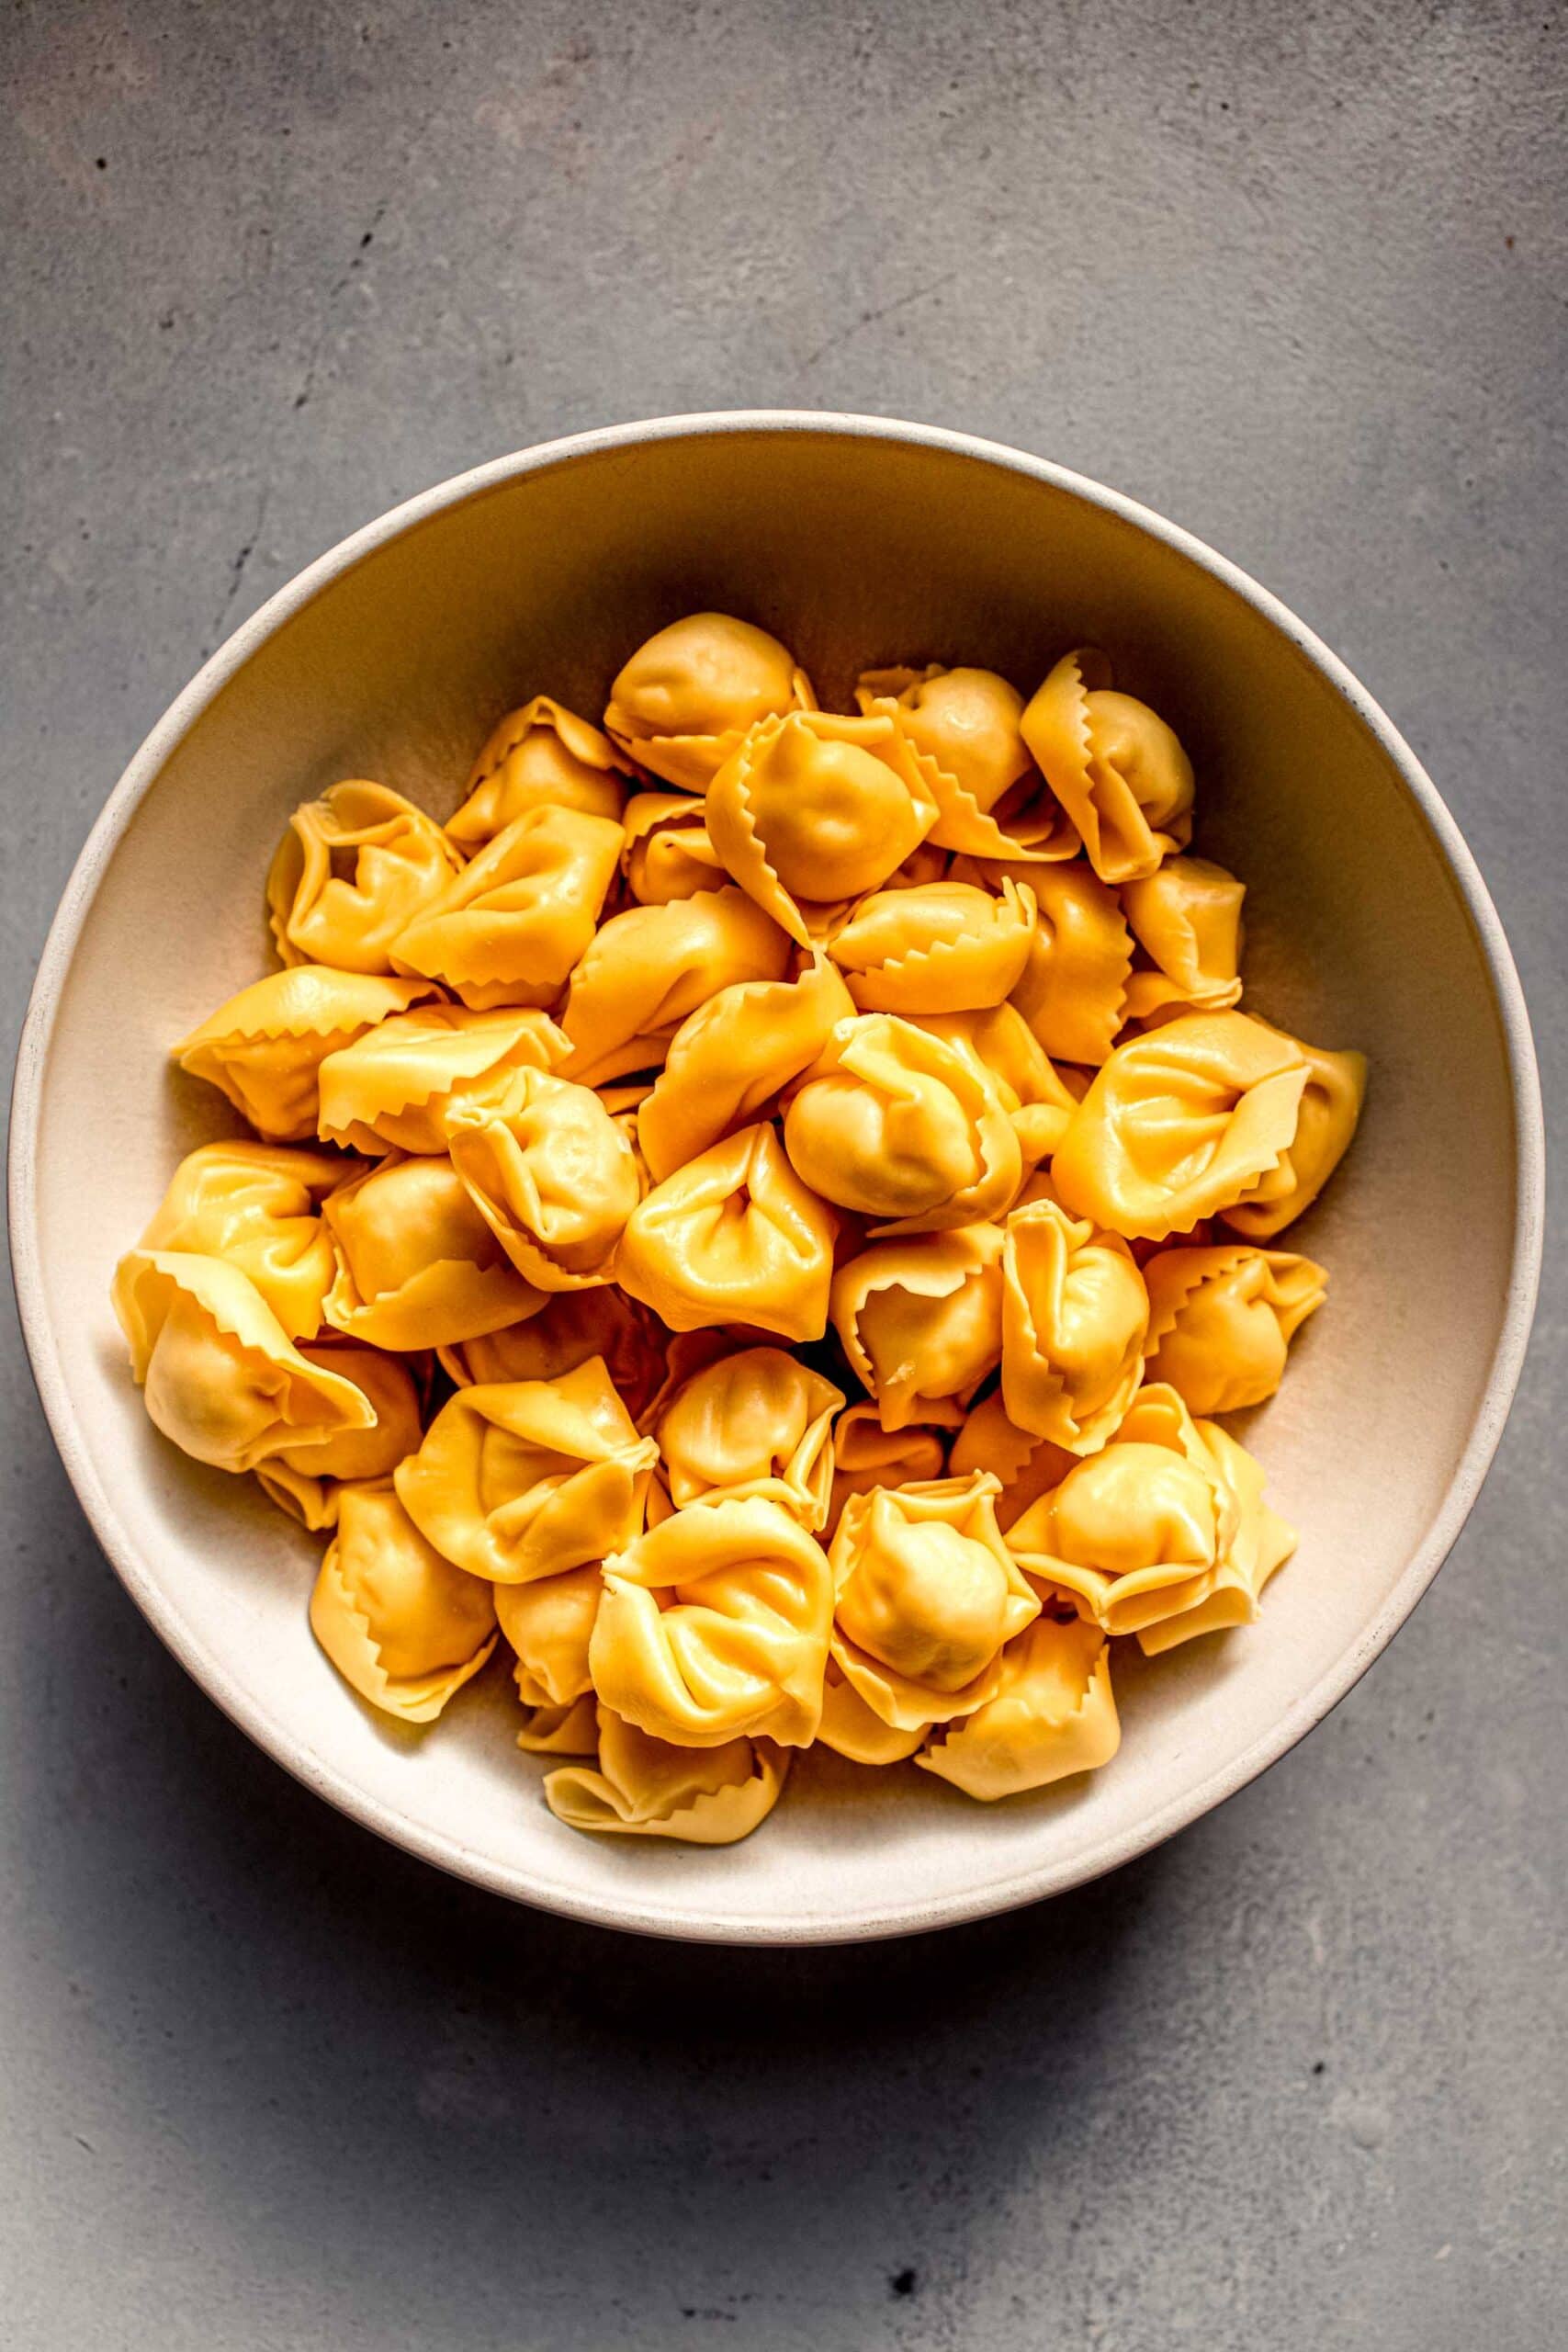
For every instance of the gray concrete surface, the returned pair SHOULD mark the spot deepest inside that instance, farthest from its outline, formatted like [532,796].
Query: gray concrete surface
[1296,277]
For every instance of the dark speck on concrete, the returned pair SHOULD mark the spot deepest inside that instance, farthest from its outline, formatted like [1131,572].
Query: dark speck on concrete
[903,2282]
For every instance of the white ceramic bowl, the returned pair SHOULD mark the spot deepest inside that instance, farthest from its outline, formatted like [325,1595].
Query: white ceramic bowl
[859,541]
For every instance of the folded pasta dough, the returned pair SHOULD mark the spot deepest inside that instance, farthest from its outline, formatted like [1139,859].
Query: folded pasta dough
[963,728]
[1115,767]
[853,1729]
[219,1375]
[866,1455]
[816,810]
[352,870]
[646,1788]
[1054,1714]
[264,1046]
[509,927]
[897,1123]
[1330,1109]
[732,1056]
[572,1730]
[1073,992]
[1075,1315]
[399,1087]
[1187,918]
[1221,1320]
[649,969]
[714,1626]
[689,694]
[921,1322]
[1037,1100]
[548,1623]
[935,947]
[571,1327]
[758,1423]
[926,1596]
[1024,1465]
[1163,1534]
[403,1625]
[668,854]
[1181,1122]
[308,1480]
[417,1265]
[256,1206]
[733,1236]
[530,1477]
[1258,1542]
[553,1176]
[542,756]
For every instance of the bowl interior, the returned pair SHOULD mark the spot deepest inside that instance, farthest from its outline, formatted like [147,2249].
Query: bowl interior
[855,550]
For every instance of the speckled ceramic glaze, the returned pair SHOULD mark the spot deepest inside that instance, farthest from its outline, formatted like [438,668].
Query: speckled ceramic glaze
[860,543]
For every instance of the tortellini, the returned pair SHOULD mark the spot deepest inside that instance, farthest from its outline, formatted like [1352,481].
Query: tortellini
[1075,1314]
[897,1125]
[308,1480]
[399,1622]
[530,1477]
[256,1206]
[731,1057]
[218,1373]
[928,1596]
[921,1322]
[554,1178]
[322,913]
[865,1455]
[511,927]
[668,853]
[714,1626]
[265,1048]
[1221,1320]
[962,727]
[566,1329]
[1187,919]
[649,969]
[417,1265]
[400,1087]
[641,1787]
[1183,1123]
[1052,1715]
[935,947]
[601,1134]
[1163,1533]
[542,756]
[733,1236]
[756,1424]
[1330,1108]
[816,810]
[1115,767]
[689,695]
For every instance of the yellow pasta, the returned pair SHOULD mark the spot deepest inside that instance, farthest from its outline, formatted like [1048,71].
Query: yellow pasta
[705,1064]
[1115,767]
[813,811]
[264,1046]
[688,695]
[733,1236]
[896,1123]
[530,1477]
[401,1085]
[542,756]
[400,860]
[935,947]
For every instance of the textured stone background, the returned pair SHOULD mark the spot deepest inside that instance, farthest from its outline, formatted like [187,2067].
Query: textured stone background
[1295,276]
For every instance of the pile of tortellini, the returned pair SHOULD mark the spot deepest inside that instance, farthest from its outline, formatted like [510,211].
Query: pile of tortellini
[700,1074]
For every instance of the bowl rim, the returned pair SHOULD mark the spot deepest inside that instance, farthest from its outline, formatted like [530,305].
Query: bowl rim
[667,1917]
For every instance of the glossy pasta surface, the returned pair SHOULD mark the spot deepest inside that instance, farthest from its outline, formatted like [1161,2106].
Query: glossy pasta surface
[759,1215]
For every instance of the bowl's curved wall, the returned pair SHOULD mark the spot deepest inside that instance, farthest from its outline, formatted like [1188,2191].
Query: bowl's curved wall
[857,545]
